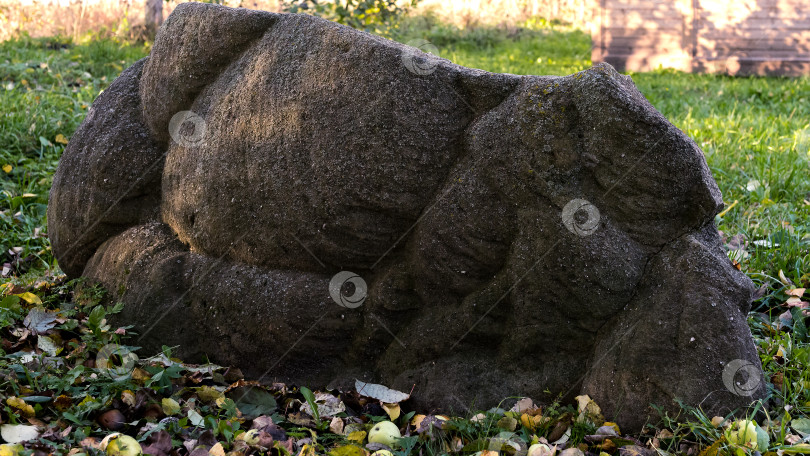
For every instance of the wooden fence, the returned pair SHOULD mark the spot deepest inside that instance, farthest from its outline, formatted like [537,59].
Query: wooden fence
[728,36]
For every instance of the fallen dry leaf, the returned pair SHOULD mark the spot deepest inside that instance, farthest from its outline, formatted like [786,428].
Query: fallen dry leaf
[217,450]
[380,392]
[392,410]
[336,426]
[797,292]
[16,433]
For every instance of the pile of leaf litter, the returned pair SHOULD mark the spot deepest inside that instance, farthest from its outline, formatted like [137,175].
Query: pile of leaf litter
[69,384]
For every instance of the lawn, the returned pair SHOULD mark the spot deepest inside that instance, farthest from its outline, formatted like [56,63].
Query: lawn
[754,132]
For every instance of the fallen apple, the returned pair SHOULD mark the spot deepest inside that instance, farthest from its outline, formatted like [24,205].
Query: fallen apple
[384,432]
[540,449]
[121,445]
[10,449]
[250,437]
[382,453]
[741,434]
[112,420]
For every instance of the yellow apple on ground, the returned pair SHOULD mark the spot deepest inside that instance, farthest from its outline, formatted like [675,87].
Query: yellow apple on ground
[742,433]
[121,445]
[384,432]
[10,449]
[540,449]
[250,437]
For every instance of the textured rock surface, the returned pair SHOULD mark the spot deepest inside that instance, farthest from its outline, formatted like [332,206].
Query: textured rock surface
[517,234]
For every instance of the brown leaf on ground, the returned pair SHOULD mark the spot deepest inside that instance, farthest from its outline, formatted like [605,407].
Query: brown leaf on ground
[158,443]
[635,450]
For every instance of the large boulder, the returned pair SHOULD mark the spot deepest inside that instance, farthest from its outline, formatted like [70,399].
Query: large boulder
[315,204]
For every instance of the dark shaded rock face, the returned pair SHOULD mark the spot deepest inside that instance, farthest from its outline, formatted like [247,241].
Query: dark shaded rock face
[512,234]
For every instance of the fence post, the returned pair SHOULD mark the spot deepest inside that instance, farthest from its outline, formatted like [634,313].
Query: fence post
[153,16]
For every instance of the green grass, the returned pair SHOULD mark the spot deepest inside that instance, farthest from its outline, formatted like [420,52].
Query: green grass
[534,47]
[754,131]
[46,87]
